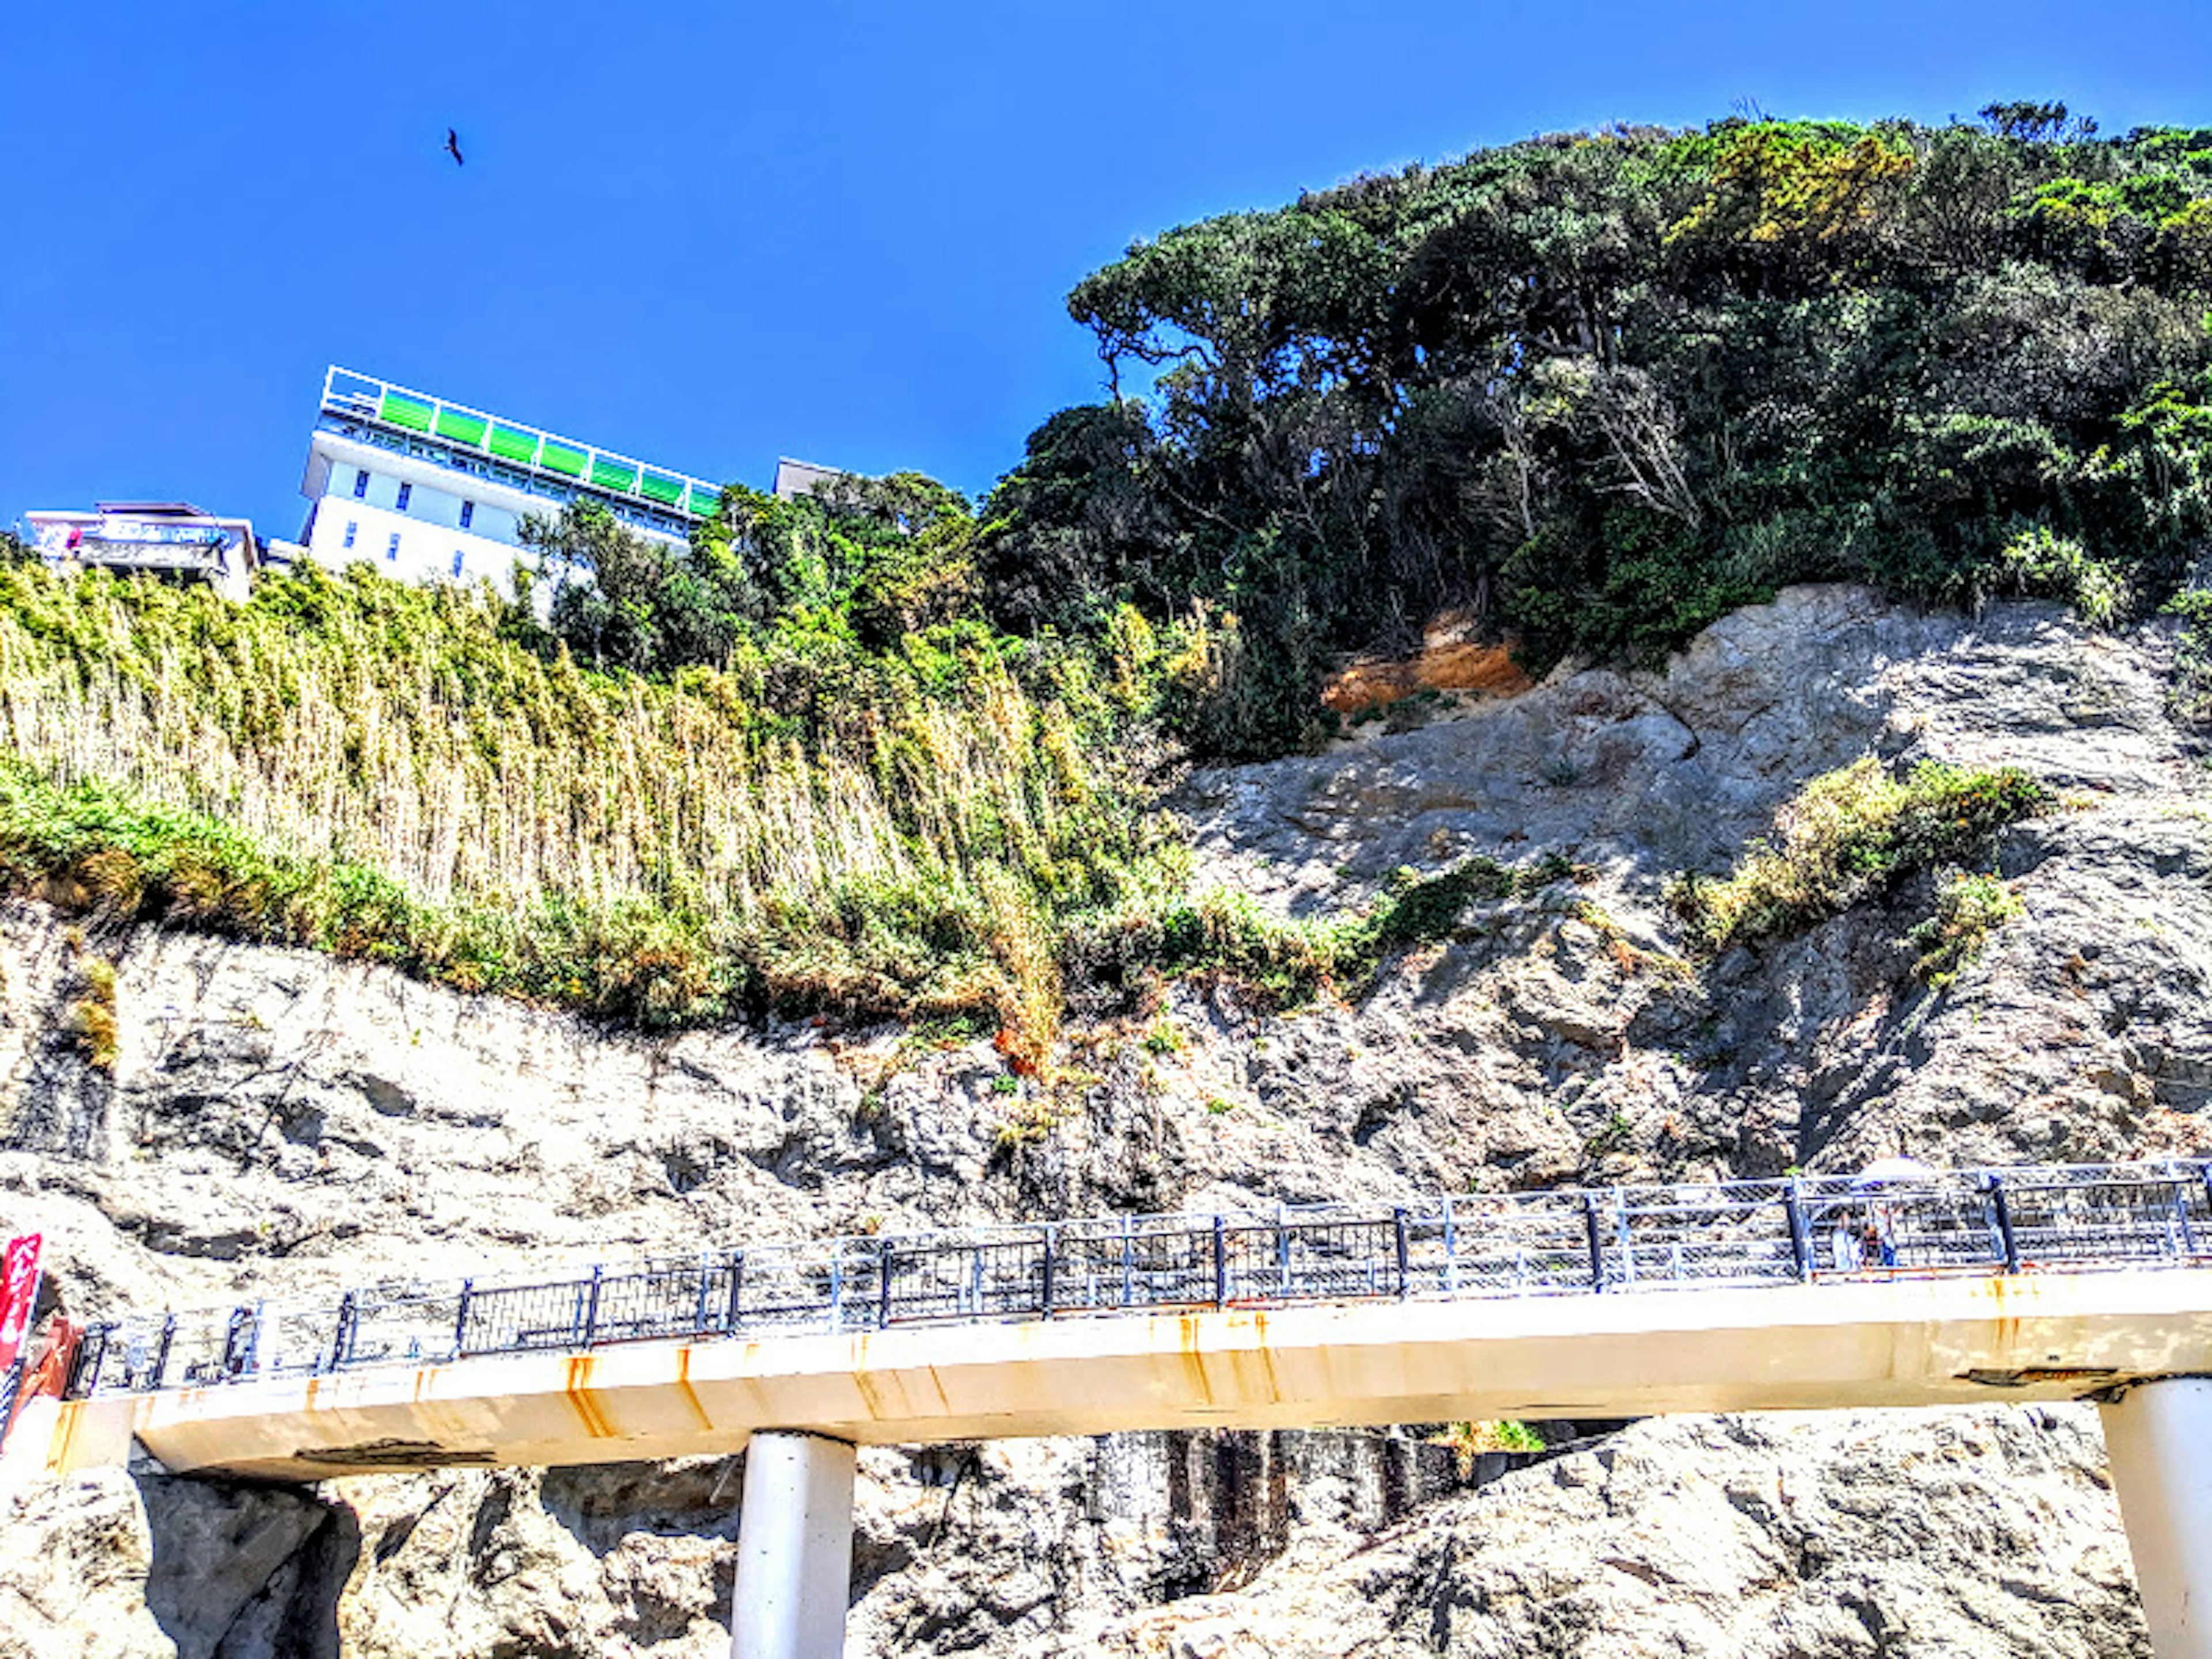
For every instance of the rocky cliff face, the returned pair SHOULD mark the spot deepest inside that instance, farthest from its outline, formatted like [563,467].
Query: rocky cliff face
[276,1123]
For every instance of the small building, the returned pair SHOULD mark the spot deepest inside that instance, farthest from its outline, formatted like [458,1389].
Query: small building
[422,487]
[172,540]
[796,479]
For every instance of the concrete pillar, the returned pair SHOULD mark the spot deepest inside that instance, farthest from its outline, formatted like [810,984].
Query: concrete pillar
[794,1549]
[2159,1435]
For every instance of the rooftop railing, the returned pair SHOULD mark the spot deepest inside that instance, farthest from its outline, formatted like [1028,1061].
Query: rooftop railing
[500,442]
[1812,1230]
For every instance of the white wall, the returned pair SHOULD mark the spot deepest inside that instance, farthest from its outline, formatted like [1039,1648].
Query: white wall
[436,492]
[426,547]
[431,506]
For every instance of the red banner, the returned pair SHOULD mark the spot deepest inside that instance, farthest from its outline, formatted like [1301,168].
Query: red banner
[19,1293]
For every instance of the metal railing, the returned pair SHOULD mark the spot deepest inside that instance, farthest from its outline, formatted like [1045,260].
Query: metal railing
[566,465]
[1569,1241]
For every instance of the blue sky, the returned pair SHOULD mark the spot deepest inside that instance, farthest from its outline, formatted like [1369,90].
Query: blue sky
[712,234]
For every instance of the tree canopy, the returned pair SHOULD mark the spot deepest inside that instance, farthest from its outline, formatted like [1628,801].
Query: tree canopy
[1598,388]
[1604,386]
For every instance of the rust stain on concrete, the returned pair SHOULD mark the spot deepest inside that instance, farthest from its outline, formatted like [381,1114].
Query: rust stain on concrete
[1266,1350]
[1193,1364]
[683,1386]
[585,1403]
[57,1448]
[872,1397]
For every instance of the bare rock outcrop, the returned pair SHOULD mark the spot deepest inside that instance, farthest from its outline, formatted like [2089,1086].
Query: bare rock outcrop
[1965,1535]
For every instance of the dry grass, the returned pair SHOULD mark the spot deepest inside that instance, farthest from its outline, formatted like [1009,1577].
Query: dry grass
[92,1016]
[912,849]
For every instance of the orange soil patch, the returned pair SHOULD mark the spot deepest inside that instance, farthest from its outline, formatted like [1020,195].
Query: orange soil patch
[1442,665]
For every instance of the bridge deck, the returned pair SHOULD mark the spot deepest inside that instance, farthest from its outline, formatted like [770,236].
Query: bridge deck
[1901,1341]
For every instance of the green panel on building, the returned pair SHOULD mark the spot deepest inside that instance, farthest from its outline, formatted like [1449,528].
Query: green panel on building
[667,491]
[612,475]
[704,501]
[405,411]
[462,428]
[559,458]
[510,444]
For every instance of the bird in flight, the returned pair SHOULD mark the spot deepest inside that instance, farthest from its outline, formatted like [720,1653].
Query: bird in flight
[453,147]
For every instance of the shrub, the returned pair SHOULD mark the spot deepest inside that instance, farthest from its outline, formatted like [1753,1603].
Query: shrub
[1282,963]
[2190,697]
[1471,1440]
[2039,560]
[92,1016]
[1968,910]
[1847,833]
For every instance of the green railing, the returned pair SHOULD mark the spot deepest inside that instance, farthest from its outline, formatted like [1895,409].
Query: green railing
[363,397]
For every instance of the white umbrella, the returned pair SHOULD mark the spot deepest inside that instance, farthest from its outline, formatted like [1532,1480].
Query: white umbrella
[1884,1171]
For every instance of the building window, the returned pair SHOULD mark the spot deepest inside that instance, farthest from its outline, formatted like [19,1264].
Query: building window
[391,549]
[457,562]
[359,484]
[468,513]
[405,490]
[352,529]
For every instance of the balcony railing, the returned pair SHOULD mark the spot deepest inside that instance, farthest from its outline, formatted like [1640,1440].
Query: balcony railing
[500,442]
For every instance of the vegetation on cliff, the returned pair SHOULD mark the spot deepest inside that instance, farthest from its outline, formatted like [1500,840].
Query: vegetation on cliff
[1601,387]
[1851,833]
[1593,389]
[391,772]
[874,752]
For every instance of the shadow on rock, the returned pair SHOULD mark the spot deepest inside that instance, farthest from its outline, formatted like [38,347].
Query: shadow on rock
[247,1573]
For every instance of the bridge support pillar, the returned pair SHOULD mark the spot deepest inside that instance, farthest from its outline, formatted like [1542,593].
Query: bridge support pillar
[2159,1436]
[794,1549]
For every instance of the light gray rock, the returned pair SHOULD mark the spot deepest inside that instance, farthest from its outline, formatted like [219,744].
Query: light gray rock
[1963,1535]
[73,1562]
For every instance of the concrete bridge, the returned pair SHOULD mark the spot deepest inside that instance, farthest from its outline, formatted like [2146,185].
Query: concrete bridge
[2025,1283]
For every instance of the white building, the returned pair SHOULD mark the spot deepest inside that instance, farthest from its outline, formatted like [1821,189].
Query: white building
[422,487]
[173,539]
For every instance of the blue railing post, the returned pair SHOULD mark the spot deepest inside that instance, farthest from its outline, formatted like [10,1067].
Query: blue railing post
[837,1288]
[1801,1232]
[342,1338]
[592,1307]
[1220,1262]
[884,1288]
[1596,1239]
[1050,1259]
[1451,1251]
[1128,1263]
[1282,1255]
[2000,1209]
[161,1352]
[91,1355]
[461,1318]
[705,1285]
[241,1341]
[2181,1214]
[731,1317]
[1398,1231]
